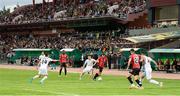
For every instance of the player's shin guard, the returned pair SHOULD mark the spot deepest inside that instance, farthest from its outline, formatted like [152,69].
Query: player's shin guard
[37,76]
[154,81]
[96,75]
[138,82]
[44,78]
[130,79]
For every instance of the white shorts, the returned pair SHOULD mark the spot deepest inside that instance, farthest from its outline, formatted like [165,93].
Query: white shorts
[87,69]
[43,71]
[148,74]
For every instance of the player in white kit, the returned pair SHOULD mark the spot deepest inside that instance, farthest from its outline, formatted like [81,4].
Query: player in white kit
[41,56]
[43,68]
[147,70]
[88,66]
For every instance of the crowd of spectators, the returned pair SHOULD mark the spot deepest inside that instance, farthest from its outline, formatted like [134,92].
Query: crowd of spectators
[170,65]
[67,40]
[61,41]
[90,43]
[67,10]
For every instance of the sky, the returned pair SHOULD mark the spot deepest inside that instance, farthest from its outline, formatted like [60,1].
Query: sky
[12,3]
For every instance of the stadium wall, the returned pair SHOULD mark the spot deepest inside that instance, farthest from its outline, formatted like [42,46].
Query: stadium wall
[157,3]
[140,22]
[153,4]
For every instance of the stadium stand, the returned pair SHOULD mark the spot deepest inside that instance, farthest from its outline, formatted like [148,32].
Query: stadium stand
[46,12]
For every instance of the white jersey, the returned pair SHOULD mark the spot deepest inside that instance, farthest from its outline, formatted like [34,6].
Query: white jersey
[44,62]
[89,63]
[147,63]
[41,56]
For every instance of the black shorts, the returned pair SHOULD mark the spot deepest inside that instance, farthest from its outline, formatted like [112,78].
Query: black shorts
[63,64]
[135,71]
[100,69]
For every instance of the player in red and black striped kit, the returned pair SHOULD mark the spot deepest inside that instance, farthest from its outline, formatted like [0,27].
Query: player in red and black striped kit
[134,60]
[102,60]
[63,59]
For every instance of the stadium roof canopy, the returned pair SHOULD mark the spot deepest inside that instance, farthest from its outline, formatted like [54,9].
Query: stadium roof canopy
[154,37]
[164,51]
[30,49]
[128,49]
[67,49]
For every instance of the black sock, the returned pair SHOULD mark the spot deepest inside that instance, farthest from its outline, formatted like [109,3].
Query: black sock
[96,75]
[60,71]
[138,82]
[65,70]
[130,80]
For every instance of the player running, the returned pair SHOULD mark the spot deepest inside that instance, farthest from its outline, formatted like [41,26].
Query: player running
[147,70]
[43,68]
[102,60]
[63,61]
[134,60]
[88,66]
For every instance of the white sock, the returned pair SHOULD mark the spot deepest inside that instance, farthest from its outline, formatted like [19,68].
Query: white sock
[37,76]
[154,81]
[140,81]
[44,78]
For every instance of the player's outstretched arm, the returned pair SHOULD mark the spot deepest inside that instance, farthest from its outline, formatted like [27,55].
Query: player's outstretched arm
[95,62]
[55,60]
[142,59]
[52,60]
[84,64]
[154,62]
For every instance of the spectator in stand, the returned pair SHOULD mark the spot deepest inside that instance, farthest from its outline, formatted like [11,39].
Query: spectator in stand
[167,65]
[160,64]
[174,65]
[178,65]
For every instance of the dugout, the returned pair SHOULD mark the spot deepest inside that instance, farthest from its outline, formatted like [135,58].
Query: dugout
[34,53]
[74,56]
[165,53]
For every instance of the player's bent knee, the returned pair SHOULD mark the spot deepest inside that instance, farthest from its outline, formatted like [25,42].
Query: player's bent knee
[129,77]
[135,77]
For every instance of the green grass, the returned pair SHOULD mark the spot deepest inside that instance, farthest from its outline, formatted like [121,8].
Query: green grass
[15,82]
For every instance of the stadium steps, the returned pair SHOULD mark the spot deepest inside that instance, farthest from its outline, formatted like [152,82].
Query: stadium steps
[175,44]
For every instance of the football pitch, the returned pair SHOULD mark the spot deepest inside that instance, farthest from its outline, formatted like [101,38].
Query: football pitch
[16,82]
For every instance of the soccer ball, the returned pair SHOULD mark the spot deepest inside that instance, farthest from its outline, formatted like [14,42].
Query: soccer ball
[99,79]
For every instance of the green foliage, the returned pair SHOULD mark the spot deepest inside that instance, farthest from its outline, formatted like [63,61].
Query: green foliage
[4,11]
